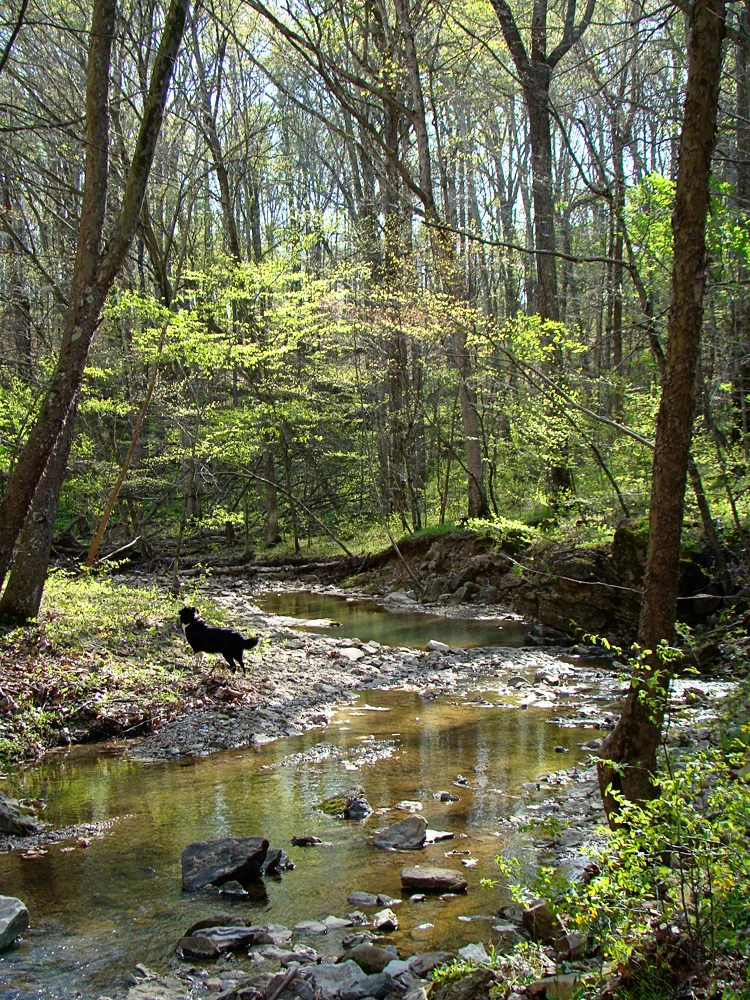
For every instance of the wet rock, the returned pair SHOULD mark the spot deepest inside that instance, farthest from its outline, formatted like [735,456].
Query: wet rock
[447,796]
[433,879]
[559,987]
[14,920]
[358,898]
[417,897]
[385,900]
[435,836]
[275,934]
[570,946]
[337,923]
[17,819]
[435,646]
[216,862]
[216,920]
[352,805]
[276,860]
[508,933]
[310,841]
[399,597]
[476,953]
[311,927]
[409,806]
[540,923]
[230,938]
[197,947]
[379,986]
[233,890]
[352,653]
[407,835]
[333,978]
[369,958]
[358,937]
[385,920]
[423,965]
[475,986]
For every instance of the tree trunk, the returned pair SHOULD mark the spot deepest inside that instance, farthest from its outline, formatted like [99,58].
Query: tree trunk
[23,595]
[93,272]
[629,752]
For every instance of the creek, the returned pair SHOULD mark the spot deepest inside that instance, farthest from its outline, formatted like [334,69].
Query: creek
[369,620]
[98,909]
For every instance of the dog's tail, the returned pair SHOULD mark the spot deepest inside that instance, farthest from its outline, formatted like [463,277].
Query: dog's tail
[250,642]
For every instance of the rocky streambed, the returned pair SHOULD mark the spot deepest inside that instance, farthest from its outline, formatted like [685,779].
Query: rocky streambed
[477,742]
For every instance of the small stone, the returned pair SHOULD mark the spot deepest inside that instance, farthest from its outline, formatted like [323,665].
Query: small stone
[369,958]
[233,890]
[541,924]
[385,920]
[311,927]
[358,898]
[195,946]
[475,953]
[423,965]
[336,923]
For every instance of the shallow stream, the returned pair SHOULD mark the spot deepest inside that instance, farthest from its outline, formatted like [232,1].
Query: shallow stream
[367,620]
[96,910]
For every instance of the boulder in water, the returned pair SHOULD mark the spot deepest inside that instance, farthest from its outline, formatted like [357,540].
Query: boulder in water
[215,862]
[433,879]
[407,835]
[14,920]
[17,819]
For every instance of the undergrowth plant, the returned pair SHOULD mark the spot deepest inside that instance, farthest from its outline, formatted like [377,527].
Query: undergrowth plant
[676,871]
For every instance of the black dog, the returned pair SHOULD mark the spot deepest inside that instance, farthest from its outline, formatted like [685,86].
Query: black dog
[209,639]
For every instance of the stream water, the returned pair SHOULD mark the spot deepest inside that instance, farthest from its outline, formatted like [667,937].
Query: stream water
[368,620]
[99,909]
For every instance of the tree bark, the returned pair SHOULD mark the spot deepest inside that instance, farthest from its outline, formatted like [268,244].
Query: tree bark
[629,753]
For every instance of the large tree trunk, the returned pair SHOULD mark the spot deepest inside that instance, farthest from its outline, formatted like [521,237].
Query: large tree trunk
[23,595]
[94,272]
[629,752]
[540,140]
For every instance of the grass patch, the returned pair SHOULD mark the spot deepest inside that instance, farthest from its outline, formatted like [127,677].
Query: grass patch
[103,659]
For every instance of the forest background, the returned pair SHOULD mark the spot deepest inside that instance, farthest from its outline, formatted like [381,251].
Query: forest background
[396,265]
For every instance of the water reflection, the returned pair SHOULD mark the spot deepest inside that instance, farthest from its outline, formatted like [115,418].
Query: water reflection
[100,909]
[366,620]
